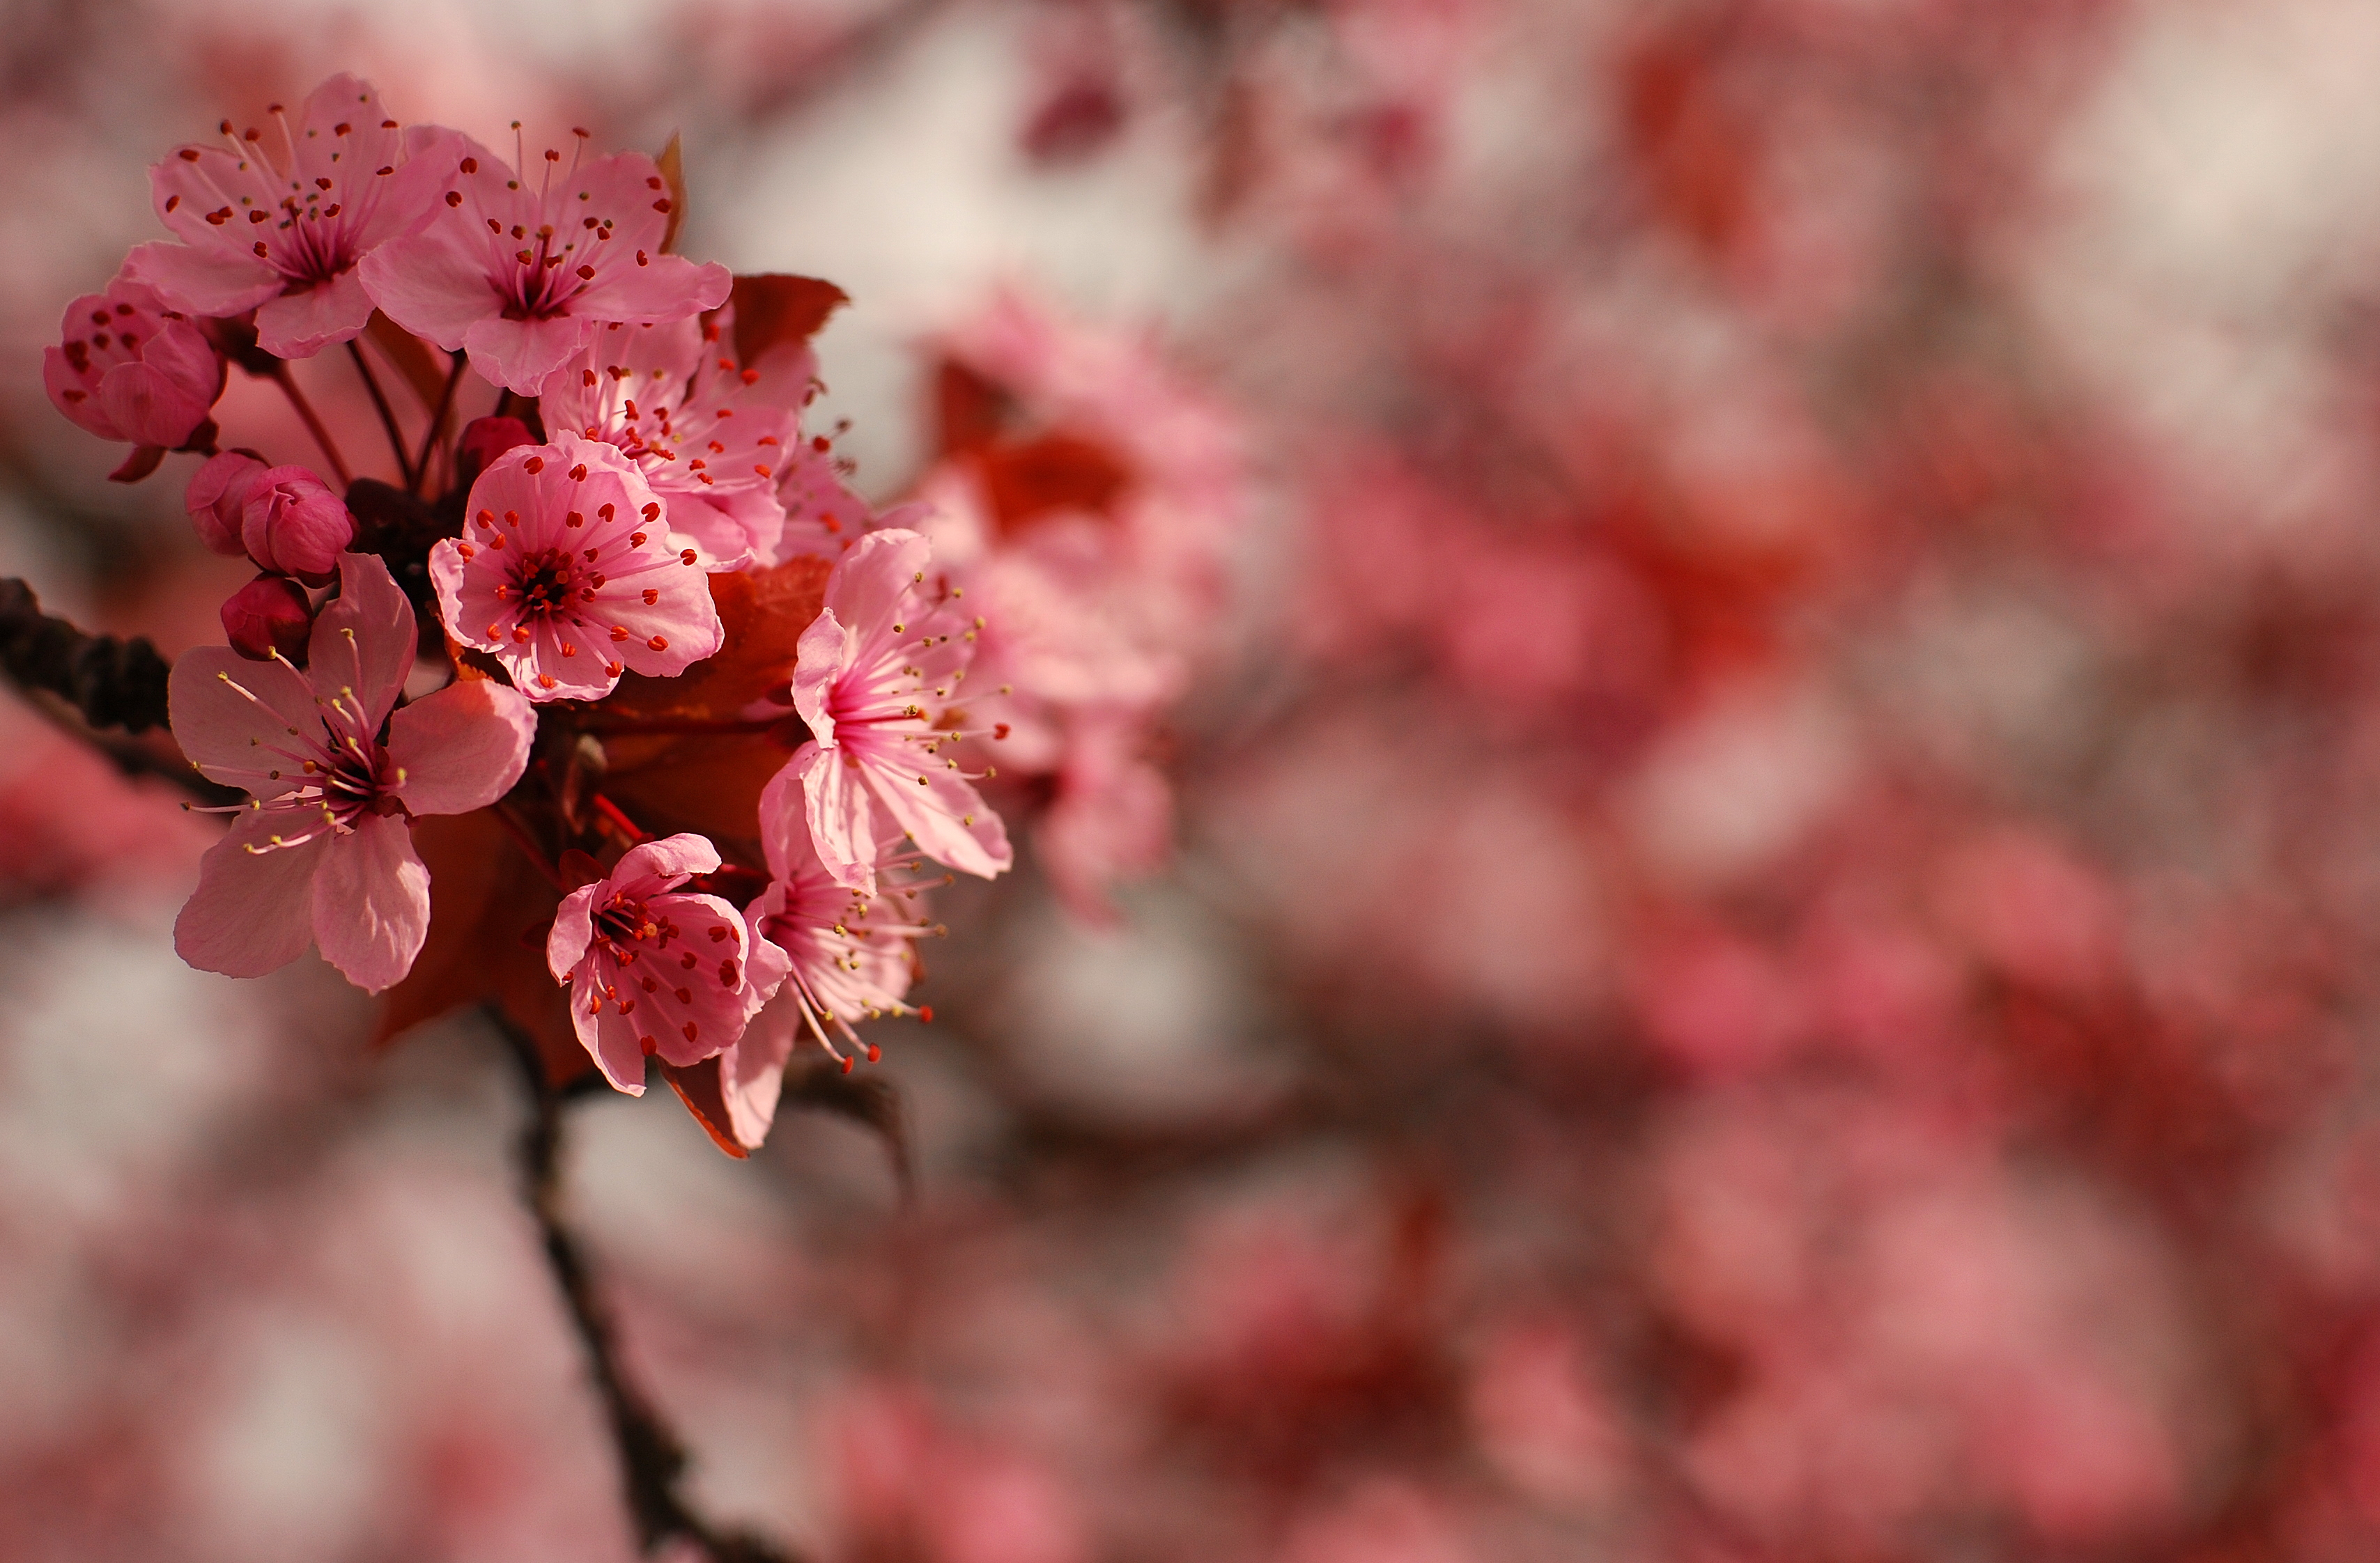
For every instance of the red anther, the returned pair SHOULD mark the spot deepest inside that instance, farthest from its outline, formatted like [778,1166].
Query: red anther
[686,556]
[189,154]
[470,166]
[999,730]
[637,539]
[846,1066]
[322,184]
[685,996]
[822,444]
[586,274]
[727,973]
[659,643]
[574,520]
[603,512]
[618,632]
[454,197]
[647,1044]
[586,376]
[341,128]
[545,681]
[641,261]
[652,595]
[578,473]
[875,1053]
[926,1014]
[651,512]
[533,466]
[751,377]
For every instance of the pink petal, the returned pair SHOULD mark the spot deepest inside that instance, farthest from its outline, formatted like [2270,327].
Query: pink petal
[866,585]
[231,716]
[249,915]
[433,283]
[160,398]
[784,826]
[821,656]
[203,280]
[667,287]
[696,1012]
[74,398]
[613,1040]
[574,930]
[461,748]
[371,903]
[522,355]
[752,1072]
[410,199]
[364,641]
[842,821]
[299,326]
[946,816]
[673,859]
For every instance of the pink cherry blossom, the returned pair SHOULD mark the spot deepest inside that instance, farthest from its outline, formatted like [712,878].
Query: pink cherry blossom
[218,494]
[323,852]
[523,273]
[293,525]
[568,573]
[130,368]
[848,959]
[1113,816]
[268,617]
[823,516]
[281,233]
[672,398]
[654,969]
[875,676]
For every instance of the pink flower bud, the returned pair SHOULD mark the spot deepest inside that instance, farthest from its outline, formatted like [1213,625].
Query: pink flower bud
[129,368]
[294,525]
[270,613]
[482,441]
[218,495]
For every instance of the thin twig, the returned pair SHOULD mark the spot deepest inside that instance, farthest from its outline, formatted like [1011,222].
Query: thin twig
[437,423]
[387,414]
[281,376]
[652,1461]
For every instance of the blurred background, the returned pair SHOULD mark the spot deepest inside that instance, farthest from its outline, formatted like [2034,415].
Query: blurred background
[1765,688]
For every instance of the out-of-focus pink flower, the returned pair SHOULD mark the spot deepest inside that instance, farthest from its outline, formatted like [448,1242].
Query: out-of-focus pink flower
[524,279]
[672,398]
[848,953]
[285,240]
[568,574]
[823,516]
[876,674]
[323,850]
[293,525]
[217,497]
[654,969]
[268,617]
[1113,816]
[130,368]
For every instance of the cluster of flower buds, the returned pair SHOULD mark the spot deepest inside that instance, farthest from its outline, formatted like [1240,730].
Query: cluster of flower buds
[665,778]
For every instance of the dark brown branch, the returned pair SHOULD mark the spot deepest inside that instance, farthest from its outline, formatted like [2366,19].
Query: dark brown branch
[652,1461]
[437,423]
[110,682]
[387,416]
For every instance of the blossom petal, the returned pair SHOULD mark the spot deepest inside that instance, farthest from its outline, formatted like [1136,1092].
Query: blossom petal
[212,282]
[842,821]
[613,1040]
[671,860]
[522,356]
[76,399]
[752,1072]
[461,748]
[867,582]
[943,813]
[231,716]
[433,283]
[574,930]
[251,913]
[364,642]
[372,901]
[668,287]
[819,659]
[299,326]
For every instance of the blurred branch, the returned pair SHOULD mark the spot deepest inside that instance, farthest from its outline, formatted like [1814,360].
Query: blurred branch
[110,682]
[652,1460]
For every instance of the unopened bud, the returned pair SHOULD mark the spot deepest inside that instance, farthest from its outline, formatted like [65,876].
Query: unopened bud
[293,525]
[270,613]
[482,441]
[217,495]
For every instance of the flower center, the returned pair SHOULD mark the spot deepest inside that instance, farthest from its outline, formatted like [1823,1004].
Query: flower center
[543,583]
[628,927]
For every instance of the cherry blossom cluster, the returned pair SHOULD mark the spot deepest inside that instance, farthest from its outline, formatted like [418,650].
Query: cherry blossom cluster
[629,617]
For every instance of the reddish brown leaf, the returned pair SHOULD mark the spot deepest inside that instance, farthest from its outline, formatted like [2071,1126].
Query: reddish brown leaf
[489,907]
[765,612]
[698,1086]
[412,357]
[773,309]
[672,162]
[706,782]
[138,465]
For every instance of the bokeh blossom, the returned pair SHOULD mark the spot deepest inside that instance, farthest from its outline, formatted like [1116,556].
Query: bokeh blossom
[130,368]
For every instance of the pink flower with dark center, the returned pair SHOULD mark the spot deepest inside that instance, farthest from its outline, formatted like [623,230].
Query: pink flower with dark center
[523,273]
[293,525]
[567,572]
[131,368]
[875,678]
[323,852]
[848,959]
[656,971]
[282,235]
[671,397]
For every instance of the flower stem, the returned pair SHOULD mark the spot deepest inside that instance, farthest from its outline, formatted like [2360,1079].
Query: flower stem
[438,422]
[387,414]
[313,425]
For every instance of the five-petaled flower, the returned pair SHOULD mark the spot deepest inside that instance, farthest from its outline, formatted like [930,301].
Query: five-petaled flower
[523,273]
[568,575]
[848,959]
[875,678]
[322,851]
[671,397]
[128,367]
[286,241]
[655,970]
